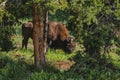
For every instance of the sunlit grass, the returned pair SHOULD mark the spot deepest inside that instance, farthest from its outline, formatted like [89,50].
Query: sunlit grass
[58,55]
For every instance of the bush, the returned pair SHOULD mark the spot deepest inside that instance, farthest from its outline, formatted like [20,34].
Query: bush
[90,69]
[6,33]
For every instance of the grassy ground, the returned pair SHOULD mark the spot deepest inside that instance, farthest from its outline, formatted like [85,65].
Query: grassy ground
[17,64]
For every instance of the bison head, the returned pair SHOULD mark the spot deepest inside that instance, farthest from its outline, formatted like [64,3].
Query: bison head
[70,45]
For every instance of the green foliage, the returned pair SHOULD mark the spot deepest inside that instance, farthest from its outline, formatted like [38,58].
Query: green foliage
[2,11]
[10,69]
[1,14]
[5,38]
[19,9]
[53,5]
[90,68]
[93,23]
[53,75]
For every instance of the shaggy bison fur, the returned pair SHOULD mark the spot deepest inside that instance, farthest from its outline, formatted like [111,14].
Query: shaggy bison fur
[57,36]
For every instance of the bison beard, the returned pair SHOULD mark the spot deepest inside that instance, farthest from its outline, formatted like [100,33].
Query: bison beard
[57,38]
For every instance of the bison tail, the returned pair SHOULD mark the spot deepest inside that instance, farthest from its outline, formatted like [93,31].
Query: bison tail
[23,27]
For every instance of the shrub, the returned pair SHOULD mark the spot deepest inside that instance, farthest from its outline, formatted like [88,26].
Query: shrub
[6,33]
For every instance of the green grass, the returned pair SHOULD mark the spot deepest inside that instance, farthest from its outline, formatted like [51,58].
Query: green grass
[58,55]
[19,63]
[23,68]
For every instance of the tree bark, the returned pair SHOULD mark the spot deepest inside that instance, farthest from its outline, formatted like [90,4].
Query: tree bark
[38,38]
[45,30]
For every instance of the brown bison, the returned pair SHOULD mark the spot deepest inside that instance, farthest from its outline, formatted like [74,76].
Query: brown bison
[27,32]
[58,37]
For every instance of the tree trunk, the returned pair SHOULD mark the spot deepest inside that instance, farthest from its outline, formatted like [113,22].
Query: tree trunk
[38,38]
[45,30]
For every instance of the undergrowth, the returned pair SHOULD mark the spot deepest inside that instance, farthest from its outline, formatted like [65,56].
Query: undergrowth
[15,67]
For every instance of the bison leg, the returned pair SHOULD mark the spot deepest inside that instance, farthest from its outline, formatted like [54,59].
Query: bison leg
[24,42]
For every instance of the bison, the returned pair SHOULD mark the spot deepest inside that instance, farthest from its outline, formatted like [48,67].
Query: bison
[57,36]
[27,32]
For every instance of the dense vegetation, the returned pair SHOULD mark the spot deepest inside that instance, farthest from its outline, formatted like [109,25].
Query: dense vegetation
[93,23]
